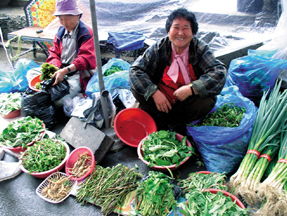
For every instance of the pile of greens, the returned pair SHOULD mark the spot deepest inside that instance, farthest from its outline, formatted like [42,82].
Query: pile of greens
[163,149]
[155,195]
[21,132]
[47,71]
[43,155]
[112,70]
[9,102]
[228,115]
[108,187]
[200,181]
[207,203]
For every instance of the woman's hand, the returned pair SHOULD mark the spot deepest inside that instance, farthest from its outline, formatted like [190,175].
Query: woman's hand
[161,102]
[183,92]
[59,75]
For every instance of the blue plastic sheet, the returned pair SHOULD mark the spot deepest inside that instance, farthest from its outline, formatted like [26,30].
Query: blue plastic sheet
[130,40]
[14,81]
[255,73]
[119,79]
[223,148]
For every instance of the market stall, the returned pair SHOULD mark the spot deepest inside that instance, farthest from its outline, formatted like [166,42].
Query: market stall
[156,172]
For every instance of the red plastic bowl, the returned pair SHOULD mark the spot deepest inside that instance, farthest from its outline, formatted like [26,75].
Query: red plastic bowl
[132,125]
[74,157]
[19,148]
[33,82]
[203,172]
[13,114]
[162,168]
[234,198]
[49,172]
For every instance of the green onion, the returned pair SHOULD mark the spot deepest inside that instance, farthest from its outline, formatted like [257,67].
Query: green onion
[267,125]
[248,191]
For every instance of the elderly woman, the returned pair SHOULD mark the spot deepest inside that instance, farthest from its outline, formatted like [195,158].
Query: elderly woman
[177,79]
[73,50]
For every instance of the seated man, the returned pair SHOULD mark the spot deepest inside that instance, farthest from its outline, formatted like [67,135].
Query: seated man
[73,50]
[177,79]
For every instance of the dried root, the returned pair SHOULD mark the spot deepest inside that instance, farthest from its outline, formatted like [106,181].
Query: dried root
[82,165]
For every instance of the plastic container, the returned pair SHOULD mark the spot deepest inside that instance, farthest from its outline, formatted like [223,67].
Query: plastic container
[45,183]
[49,172]
[33,82]
[13,114]
[162,168]
[72,159]
[132,125]
[234,198]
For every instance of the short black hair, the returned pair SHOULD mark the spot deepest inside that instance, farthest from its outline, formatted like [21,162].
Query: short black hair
[182,13]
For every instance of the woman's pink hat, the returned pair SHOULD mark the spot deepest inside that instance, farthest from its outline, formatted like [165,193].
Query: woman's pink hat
[67,7]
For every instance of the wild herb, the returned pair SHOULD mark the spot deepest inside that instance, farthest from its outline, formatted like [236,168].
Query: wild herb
[163,149]
[47,71]
[108,187]
[43,155]
[155,195]
[207,203]
[228,115]
[9,102]
[21,132]
[200,181]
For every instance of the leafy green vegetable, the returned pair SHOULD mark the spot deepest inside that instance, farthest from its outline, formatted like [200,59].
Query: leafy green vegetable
[163,149]
[207,203]
[47,71]
[227,115]
[200,181]
[21,132]
[112,70]
[9,102]
[43,155]
[155,196]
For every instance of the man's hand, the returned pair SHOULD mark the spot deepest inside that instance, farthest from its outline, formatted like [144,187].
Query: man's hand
[183,92]
[161,102]
[59,75]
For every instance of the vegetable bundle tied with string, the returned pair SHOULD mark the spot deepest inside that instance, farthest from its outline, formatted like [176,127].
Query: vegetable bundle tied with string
[272,191]
[266,127]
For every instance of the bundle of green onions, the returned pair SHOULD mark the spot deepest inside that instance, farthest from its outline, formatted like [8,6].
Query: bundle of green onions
[266,127]
[249,190]
[273,189]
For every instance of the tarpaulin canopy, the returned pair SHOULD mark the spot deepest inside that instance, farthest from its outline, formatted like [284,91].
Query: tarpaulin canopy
[223,24]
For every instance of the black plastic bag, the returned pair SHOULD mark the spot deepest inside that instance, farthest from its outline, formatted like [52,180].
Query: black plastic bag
[39,104]
[58,91]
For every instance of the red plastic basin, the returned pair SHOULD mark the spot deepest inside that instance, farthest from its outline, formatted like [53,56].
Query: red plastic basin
[73,159]
[132,125]
[234,198]
[33,82]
